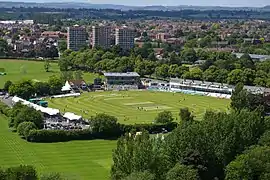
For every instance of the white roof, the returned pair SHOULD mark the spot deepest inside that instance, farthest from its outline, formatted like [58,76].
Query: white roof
[67,87]
[67,95]
[48,111]
[72,116]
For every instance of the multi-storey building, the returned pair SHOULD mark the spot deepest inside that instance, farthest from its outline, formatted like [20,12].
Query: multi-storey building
[76,37]
[124,37]
[101,36]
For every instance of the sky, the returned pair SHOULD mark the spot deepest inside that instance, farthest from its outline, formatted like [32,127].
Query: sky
[249,3]
[233,3]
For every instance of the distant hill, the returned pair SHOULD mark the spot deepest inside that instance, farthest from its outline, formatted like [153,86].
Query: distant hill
[85,4]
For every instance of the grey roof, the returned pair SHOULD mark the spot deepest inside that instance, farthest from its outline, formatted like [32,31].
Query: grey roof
[128,74]
[253,56]
[189,82]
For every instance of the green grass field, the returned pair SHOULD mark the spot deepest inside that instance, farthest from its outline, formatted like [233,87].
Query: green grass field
[137,106]
[78,159]
[20,69]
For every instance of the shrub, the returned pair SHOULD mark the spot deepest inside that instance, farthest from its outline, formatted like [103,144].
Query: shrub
[21,172]
[29,115]
[24,128]
[51,176]
[151,128]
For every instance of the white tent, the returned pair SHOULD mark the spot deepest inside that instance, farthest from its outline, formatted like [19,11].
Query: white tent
[66,87]
[72,116]
[16,99]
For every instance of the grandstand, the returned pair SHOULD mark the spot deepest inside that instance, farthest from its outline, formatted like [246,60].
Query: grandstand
[122,81]
[201,88]
[212,89]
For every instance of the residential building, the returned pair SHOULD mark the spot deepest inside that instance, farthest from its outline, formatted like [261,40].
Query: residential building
[76,37]
[101,37]
[162,36]
[124,37]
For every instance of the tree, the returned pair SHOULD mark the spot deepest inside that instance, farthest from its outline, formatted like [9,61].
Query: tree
[236,76]
[56,85]
[185,115]
[62,45]
[42,88]
[253,164]
[105,125]
[29,115]
[23,89]
[239,97]
[247,62]
[3,47]
[164,117]
[222,75]
[162,71]
[47,65]
[7,85]
[182,172]
[66,75]
[138,153]
[188,55]
[78,75]
[24,128]
[210,74]
[140,176]
[195,73]
[211,144]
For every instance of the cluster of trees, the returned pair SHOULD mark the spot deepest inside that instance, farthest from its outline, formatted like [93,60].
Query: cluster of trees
[219,66]
[26,172]
[23,119]
[196,150]
[27,88]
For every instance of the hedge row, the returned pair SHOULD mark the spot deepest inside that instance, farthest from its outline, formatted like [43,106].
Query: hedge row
[151,128]
[47,136]
[19,173]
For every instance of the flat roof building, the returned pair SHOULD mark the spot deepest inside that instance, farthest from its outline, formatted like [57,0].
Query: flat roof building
[76,37]
[124,37]
[101,37]
[122,81]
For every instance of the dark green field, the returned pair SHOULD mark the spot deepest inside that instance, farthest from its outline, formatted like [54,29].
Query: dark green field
[34,70]
[79,159]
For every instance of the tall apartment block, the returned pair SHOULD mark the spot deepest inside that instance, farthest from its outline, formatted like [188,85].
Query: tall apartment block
[76,37]
[101,36]
[124,37]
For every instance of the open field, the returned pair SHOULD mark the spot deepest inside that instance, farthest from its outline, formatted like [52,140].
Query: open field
[20,69]
[137,106]
[77,159]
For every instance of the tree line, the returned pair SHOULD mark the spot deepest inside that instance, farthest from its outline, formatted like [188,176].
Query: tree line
[37,14]
[219,67]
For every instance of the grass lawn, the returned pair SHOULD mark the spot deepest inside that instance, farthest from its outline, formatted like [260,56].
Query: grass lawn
[20,69]
[137,106]
[77,159]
